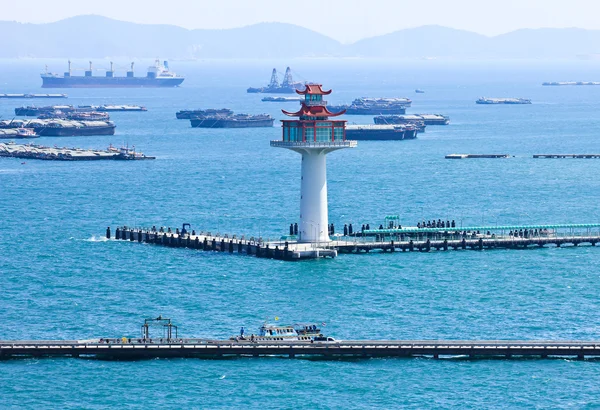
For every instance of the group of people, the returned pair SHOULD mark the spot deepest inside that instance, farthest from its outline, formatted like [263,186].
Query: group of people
[527,233]
[438,224]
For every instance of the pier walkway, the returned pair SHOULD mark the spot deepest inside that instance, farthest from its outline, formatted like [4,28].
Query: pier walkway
[128,349]
[381,240]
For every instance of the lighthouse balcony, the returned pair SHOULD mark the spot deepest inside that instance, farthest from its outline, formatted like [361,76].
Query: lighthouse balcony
[313,144]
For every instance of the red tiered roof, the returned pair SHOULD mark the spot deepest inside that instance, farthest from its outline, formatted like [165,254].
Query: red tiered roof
[313,111]
[314,89]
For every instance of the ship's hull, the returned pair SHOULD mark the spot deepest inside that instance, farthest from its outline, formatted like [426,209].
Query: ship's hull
[74,131]
[110,82]
[225,123]
[381,135]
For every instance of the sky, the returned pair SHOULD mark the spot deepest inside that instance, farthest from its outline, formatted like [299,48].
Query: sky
[344,20]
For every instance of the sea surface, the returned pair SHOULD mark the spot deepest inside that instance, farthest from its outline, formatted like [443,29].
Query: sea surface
[60,279]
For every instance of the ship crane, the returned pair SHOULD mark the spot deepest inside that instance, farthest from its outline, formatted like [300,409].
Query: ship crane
[274,83]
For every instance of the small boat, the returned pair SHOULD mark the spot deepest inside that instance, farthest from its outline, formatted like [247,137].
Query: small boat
[297,332]
[26,133]
[418,91]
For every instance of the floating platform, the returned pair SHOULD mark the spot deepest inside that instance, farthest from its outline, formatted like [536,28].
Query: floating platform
[133,348]
[33,96]
[584,156]
[62,128]
[571,83]
[485,100]
[409,239]
[31,151]
[466,156]
[427,119]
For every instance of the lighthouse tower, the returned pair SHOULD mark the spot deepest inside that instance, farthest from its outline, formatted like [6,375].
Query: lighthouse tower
[313,135]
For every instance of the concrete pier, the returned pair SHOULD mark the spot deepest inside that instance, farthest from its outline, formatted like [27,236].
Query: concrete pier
[129,348]
[386,240]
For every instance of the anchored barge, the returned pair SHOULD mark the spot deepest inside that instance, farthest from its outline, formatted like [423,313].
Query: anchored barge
[427,119]
[158,75]
[281,99]
[31,151]
[34,111]
[375,132]
[62,128]
[286,341]
[571,83]
[232,121]
[287,86]
[485,100]
[23,96]
[188,114]
[374,106]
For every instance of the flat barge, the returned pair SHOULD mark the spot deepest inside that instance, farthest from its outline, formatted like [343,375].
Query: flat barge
[427,119]
[188,114]
[374,132]
[232,121]
[374,106]
[28,96]
[467,156]
[509,101]
[572,156]
[30,151]
[559,83]
[34,111]
[158,75]
[62,128]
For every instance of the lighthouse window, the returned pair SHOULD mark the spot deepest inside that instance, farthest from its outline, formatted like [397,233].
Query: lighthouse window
[323,134]
[338,133]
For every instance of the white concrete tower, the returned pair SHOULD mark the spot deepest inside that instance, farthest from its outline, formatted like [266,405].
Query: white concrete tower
[313,136]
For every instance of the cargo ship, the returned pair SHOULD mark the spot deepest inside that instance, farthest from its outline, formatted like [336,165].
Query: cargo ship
[427,119]
[378,132]
[158,75]
[485,100]
[232,121]
[287,86]
[62,128]
[374,106]
[188,114]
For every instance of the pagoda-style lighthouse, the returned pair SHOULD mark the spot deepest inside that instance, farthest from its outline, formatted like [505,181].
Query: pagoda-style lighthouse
[313,136]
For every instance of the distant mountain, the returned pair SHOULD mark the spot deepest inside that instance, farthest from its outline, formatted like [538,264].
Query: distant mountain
[95,36]
[425,41]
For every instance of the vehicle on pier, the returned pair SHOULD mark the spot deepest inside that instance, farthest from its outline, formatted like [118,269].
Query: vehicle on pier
[296,332]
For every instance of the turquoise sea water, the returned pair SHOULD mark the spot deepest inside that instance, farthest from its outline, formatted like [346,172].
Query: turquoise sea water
[60,279]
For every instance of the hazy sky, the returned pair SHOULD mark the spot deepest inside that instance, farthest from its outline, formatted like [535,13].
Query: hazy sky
[345,20]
